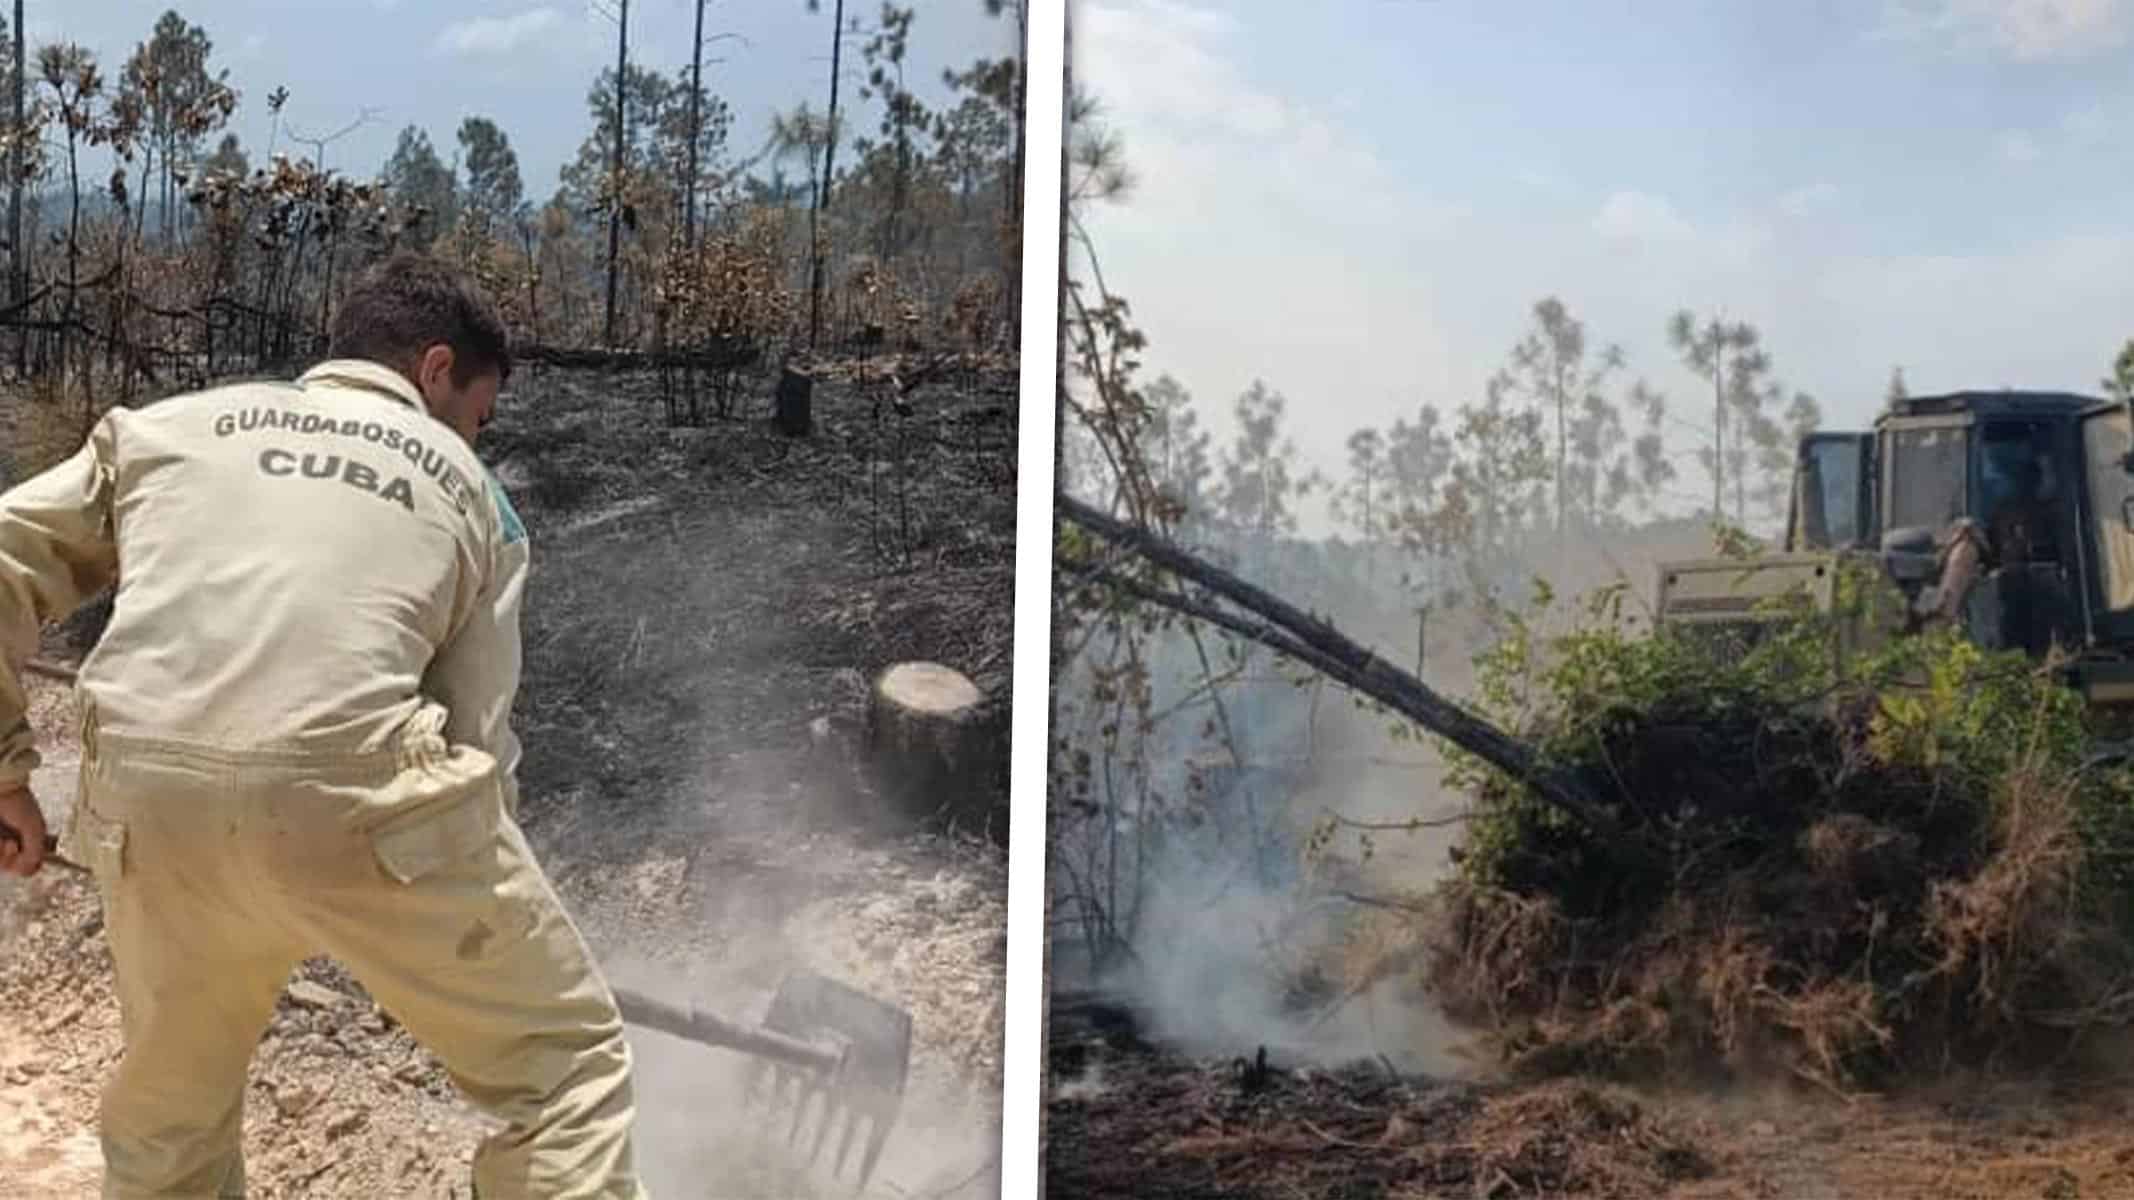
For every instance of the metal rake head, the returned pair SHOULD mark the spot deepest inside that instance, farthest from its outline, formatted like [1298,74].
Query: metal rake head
[867,1086]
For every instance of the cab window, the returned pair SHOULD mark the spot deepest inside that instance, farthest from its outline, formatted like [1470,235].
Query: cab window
[1928,477]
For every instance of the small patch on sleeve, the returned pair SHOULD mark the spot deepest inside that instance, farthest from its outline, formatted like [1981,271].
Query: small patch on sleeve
[514,529]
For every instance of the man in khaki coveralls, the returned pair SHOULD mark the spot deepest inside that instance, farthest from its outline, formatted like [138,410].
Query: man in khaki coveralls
[296,741]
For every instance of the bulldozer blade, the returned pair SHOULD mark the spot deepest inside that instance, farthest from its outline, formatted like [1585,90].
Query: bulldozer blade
[868,1084]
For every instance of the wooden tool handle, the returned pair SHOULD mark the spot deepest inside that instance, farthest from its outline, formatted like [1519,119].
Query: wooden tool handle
[700,1026]
[51,848]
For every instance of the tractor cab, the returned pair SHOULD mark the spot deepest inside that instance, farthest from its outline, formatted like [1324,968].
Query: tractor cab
[2044,475]
[2002,459]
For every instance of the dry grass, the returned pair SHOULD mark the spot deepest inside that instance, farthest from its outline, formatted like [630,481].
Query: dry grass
[1150,1125]
[2019,916]
[1124,1120]
[1841,953]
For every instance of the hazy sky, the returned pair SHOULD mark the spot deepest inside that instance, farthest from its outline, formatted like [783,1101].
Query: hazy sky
[527,65]
[1360,201]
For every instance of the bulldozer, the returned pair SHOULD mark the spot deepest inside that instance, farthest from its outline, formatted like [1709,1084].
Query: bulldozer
[2045,480]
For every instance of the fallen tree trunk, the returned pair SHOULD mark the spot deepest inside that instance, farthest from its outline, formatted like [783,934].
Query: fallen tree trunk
[1296,634]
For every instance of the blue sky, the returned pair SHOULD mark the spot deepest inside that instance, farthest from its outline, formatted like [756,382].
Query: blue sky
[1359,201]
[525,63]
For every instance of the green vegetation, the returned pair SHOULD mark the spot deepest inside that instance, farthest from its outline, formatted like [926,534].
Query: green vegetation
[1832,865]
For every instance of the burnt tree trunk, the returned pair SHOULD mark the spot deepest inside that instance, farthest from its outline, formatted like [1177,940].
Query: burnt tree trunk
[794,414]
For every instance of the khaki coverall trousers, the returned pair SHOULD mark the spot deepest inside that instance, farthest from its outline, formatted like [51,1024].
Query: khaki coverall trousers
[220,873]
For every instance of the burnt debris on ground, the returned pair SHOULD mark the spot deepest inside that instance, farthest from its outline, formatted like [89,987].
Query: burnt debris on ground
[1127,1119]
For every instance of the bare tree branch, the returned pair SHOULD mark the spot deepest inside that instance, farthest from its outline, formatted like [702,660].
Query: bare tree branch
[1306,638]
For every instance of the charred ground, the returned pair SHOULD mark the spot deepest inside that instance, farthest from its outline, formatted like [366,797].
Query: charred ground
[705,594]
[1125,1119]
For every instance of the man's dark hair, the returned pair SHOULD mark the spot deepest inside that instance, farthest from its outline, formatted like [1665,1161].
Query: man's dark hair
[410,302]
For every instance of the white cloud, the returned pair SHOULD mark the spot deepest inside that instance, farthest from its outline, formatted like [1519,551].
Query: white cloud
[1198,131]
[1541,179]
[2088,126]
[2088,129]
[1641,217]
[2034,30]
[484,36]
[1265,235]
[2028,31]
[2018,146]
[1949,319]
[1809,200]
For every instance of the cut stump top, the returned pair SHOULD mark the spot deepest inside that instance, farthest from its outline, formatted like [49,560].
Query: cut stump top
[928,688]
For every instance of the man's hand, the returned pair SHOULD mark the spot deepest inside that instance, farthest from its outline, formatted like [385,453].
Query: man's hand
[22,844]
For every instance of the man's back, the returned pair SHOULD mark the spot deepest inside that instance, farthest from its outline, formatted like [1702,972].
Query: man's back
[291,557]
[297,742]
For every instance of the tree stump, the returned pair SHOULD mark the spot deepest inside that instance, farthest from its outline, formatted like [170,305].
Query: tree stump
[794,414]
[930,744]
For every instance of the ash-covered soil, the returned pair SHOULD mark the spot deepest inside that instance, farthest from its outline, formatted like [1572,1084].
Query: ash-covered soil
[706,609]
[1128,1118]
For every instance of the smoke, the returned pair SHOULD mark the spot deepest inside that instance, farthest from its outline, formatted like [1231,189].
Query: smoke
[1221,966]
[766,868]
[1232,916]
[706,1127]
[1240,888]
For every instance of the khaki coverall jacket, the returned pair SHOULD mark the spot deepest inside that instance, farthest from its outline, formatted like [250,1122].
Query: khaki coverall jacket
[297,741]
[235,626]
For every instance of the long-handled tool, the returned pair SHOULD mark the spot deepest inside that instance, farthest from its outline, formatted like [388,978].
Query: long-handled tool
[820,1040]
